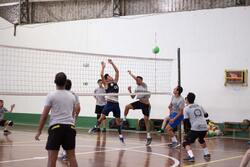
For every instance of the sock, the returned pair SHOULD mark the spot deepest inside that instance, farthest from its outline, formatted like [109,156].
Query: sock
[120,136]
[148,135]
[124,118]
[190,153]
[205,150]
[174,139]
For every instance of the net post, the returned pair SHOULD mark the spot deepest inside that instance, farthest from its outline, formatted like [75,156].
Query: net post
[179,84]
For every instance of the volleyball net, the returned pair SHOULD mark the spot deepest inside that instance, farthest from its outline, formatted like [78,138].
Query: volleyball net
[31,71]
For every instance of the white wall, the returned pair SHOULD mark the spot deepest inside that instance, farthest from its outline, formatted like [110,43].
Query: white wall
[210,41]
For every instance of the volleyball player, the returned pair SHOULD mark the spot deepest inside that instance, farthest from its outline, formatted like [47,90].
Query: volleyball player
[5,123]
[176,107]
[100,103]
[61,131]
[77,110]
[142,103]
[111,86]
[196,116]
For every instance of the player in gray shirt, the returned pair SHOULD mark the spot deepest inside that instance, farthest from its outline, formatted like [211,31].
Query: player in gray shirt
[5,123]
[100,103]
[196,115]
[142,103]
[61,131]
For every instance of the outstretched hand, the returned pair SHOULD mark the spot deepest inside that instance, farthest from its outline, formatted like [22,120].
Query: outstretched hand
[103,64]
[129,72]
[110,61]
[12,106]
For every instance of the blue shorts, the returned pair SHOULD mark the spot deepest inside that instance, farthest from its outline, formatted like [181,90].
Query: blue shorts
[112,106]
[177,121]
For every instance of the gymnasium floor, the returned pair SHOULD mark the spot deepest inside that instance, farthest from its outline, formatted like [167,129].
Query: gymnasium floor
[19,149]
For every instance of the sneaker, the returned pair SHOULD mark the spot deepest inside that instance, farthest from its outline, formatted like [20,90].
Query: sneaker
[122,140]
[6,132]
[104,130]
[207,157]
[149,140]
[160,131]
[174,145]
[189,159]
[94,129]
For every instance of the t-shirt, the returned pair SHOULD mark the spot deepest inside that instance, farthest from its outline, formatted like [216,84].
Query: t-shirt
[142,89]
[112,87]
[100,100]
[195,114]
[62,103]
[2,111]
[76,97]
[177,104]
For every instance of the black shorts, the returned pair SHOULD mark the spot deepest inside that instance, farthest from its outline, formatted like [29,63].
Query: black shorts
[61,134]
[193,135]
[98,109]
[114,107]
[144,107]
[2,122]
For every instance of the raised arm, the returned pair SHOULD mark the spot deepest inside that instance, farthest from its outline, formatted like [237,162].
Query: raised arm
[116,70]
[102,73]
[12,107]
[132,75]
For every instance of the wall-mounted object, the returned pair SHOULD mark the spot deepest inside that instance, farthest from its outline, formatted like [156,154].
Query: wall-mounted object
[236,77]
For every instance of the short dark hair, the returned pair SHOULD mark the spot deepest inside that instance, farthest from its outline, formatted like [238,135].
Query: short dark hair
[106,76]
[60,79]
[68,84]
[179,89]
[139,77]
[99,80]
[190,97]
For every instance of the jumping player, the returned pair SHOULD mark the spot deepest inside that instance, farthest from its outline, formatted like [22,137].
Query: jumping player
[142,103]
[111,86]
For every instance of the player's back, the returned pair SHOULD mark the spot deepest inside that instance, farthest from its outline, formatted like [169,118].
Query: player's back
[62,105]
[195,114]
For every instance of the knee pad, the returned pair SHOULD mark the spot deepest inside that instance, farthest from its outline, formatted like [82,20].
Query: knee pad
[10,123]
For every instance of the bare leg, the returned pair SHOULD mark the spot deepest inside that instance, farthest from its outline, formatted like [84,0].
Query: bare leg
[146,119]
[52,157]
[72,158]
[104,123]
[126,110]
[170,131]
[245,159]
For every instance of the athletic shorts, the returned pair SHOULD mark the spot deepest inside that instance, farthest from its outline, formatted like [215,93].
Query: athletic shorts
[144,107]
[177,121]
[61,135]
[2,122]
[193,135]
[114,107]
[98,109]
